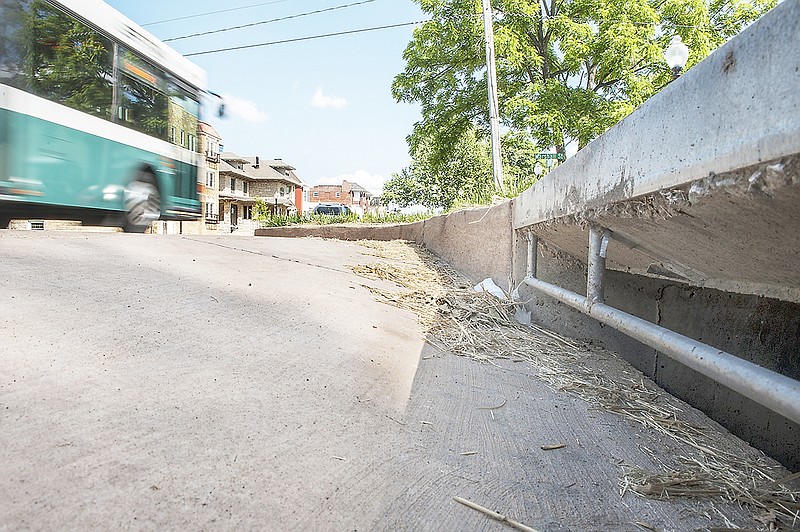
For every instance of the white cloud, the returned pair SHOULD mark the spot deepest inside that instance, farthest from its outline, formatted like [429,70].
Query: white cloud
[372,182]
[244,109]
[321,100]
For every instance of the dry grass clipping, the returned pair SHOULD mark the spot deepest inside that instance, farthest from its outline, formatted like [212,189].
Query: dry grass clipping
[478,325]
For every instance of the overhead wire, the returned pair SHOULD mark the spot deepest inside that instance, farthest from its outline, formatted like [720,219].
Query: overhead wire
[348,32]
[262,22]
[198,15]
[308,38]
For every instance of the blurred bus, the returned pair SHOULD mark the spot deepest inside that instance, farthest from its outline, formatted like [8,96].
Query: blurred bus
[98,119]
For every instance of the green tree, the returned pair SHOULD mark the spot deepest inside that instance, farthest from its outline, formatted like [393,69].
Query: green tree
[567,69]
[465,177]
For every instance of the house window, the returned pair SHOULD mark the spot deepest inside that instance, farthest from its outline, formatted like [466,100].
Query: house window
[245,187]
[282,192]
[316,194]
[247,212]
[338,194]
[233,184]
[210,179]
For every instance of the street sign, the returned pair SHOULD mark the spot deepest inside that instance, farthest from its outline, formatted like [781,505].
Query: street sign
[559,156]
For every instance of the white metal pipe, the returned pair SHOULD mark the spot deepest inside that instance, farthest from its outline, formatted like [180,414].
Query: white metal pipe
[533,250]
[595,278]
[768,388]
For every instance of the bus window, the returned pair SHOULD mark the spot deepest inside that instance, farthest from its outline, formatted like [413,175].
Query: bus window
[67,62]
[142,102]
[12,47]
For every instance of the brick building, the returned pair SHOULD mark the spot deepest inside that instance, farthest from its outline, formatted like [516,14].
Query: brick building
[351,194]
[209,187]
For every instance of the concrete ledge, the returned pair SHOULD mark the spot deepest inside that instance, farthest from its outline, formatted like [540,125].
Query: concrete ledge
[345,231]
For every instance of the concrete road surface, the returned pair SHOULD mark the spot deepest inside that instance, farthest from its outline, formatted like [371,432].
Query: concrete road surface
[217,383]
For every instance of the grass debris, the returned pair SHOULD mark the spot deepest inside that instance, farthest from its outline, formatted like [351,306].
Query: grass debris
[459,320]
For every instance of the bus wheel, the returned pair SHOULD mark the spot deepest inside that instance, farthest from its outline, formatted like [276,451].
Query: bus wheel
[142,203]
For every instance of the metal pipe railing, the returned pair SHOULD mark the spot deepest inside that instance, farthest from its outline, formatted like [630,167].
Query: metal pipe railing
[768,388]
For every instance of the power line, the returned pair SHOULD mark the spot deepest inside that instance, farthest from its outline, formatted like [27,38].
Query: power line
[214,12]
[289,17]
[311,37]
[363,30]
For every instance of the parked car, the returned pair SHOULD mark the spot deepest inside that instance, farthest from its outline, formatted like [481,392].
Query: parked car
[332,209]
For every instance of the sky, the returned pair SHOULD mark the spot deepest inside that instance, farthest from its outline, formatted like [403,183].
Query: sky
[322,105]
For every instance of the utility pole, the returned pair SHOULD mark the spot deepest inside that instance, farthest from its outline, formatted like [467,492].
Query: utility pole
[494,107]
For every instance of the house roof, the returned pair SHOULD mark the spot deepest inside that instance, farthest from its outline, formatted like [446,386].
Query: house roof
[209,130]
[232,157]
[280,163]
[226,168]
[267,169]
[271,170]
[359,188]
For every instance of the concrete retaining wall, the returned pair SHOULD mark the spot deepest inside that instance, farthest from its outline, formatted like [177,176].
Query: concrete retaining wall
[478,242]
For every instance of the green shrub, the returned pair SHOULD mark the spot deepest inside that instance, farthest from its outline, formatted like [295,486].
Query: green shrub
[269,220]
[394,218]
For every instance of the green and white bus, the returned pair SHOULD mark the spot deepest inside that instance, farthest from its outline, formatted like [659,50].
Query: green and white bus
[98,119]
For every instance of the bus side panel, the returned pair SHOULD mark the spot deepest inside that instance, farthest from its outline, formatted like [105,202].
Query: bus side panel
[179,192]
[50,164]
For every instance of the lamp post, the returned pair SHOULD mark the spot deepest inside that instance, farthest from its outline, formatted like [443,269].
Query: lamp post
[676,55]
[276,196]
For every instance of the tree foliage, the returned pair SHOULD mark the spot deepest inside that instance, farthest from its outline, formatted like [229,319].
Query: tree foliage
[465,177]
[434,183]
[567,69]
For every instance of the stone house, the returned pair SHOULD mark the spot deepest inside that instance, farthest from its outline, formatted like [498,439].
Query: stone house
[243,181]
[276,182]
[235,202]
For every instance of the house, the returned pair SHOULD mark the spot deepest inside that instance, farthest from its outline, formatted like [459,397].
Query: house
[351,194]
[243,181]
[360,198]
[235,202]
[210,146]
[274,180]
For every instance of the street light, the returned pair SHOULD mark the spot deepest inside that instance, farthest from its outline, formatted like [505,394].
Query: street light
[276,196]
[676,55]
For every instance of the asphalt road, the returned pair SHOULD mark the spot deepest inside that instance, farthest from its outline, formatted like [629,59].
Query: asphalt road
[215,383]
